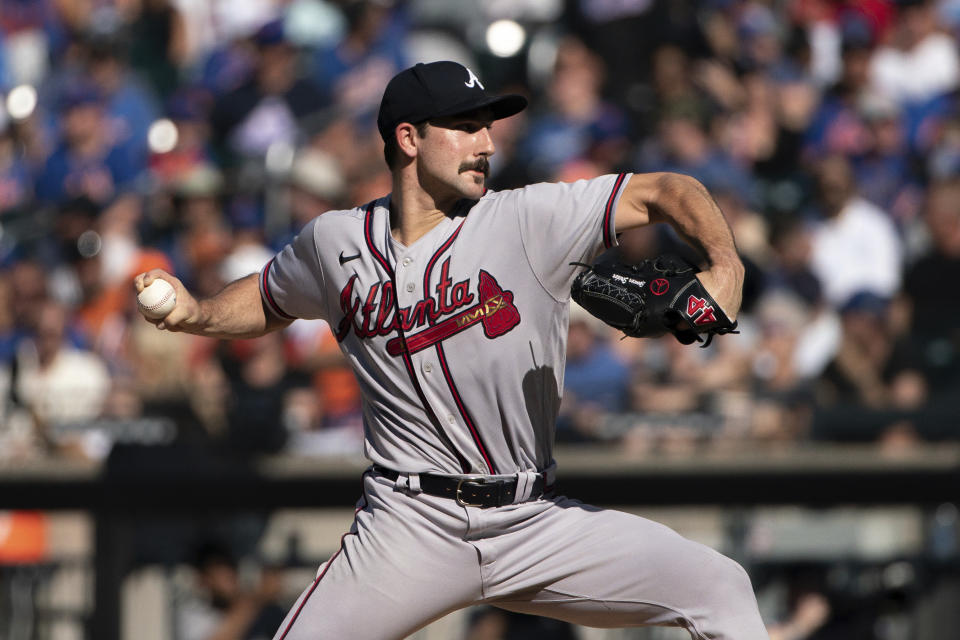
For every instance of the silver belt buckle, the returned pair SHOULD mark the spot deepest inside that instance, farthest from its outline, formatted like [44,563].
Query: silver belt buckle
[460,500]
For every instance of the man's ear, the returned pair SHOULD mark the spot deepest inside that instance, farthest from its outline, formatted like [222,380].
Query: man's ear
[407,139]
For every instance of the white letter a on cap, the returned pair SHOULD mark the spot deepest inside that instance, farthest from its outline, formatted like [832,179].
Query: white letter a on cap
[473,80]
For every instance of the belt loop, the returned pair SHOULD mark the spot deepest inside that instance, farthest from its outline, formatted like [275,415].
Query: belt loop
[550,475]
[525,480]
[407,482]
[413,483]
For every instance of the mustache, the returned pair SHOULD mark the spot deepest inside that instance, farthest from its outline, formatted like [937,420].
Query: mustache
[482,165]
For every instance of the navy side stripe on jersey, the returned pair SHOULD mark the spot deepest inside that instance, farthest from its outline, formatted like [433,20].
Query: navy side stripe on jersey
[608,212]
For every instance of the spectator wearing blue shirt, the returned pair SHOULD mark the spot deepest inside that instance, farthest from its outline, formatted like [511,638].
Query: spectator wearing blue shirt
[129,102]
[885,172]
[4,70]
[16,185]
[270,106]
[87,162]
[596,382]
[837,126]
[353,70]
[580,124]
[683,146]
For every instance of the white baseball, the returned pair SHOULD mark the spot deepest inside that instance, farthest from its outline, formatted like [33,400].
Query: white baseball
[157,299]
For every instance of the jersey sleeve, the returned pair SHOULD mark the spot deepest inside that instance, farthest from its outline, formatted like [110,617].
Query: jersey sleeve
[562,223]
[291,283]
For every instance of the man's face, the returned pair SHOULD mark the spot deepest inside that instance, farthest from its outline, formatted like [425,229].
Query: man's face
[453,156]
[835,184]
[81,122]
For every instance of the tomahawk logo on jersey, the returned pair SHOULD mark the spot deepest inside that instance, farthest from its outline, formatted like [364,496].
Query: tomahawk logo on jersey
[374,315]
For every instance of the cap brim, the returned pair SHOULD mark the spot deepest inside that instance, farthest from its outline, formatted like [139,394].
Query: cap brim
[502,106]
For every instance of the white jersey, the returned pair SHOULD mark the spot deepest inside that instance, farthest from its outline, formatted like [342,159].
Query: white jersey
[458,341]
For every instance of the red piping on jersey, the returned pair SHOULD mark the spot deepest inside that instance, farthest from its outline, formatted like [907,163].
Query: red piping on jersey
[443,360]
[266,290]
[313,587]
[608,212]
[368,236]
[463,410]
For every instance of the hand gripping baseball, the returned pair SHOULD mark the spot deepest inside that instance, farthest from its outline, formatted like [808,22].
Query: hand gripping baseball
[657,296]
[164,301]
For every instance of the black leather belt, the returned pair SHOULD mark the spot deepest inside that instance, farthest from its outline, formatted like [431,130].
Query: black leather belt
[472,492]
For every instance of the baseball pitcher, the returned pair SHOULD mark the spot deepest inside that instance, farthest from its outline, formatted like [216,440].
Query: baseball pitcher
[451,303]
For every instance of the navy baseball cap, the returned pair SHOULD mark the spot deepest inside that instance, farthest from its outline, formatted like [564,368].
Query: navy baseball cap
[78,93]
[439,89]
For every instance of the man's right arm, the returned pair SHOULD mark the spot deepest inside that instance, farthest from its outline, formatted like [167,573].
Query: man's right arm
[237,311]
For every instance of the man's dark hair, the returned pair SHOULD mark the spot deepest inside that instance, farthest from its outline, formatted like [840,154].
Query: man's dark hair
[391,151]
[213,552]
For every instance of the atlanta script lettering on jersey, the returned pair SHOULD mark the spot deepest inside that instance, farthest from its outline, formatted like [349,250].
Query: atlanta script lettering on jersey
[376,314]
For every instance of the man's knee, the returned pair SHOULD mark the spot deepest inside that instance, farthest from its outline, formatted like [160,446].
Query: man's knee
[732,611]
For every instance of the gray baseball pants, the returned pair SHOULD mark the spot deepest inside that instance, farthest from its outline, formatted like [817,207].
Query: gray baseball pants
[410,559]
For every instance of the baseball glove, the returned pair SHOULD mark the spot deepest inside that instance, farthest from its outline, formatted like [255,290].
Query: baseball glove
[652,298]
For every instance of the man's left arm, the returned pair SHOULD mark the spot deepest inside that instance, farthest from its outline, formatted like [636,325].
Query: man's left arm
[687,206]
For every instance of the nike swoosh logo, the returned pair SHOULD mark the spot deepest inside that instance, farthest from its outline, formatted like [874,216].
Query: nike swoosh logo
[345,259]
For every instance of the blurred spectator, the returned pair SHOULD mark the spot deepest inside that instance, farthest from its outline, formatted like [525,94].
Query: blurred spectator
[683,145]
[269,106]
[194,231]
[596,381]
[765,134]
[221,607]
[260,382]
[921,61]
[811,612]
[871,390]
[760,35]
[943,159]
[5,82]
[580,124]
[353,72]
[175,168]
[130,105]
[29,293]
[107,306]
[34,35]
[622,33]
[61,387]
[855,246]
[316,185]
[16,186]
[884,171]
[789,279]
[933,325]
[159,45]
[88,161]
[836,126]
[781,371]
[228,65]
[247,251]
[674,85]
[856,375]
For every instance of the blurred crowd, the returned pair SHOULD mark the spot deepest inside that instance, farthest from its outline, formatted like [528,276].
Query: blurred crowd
[200,136]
